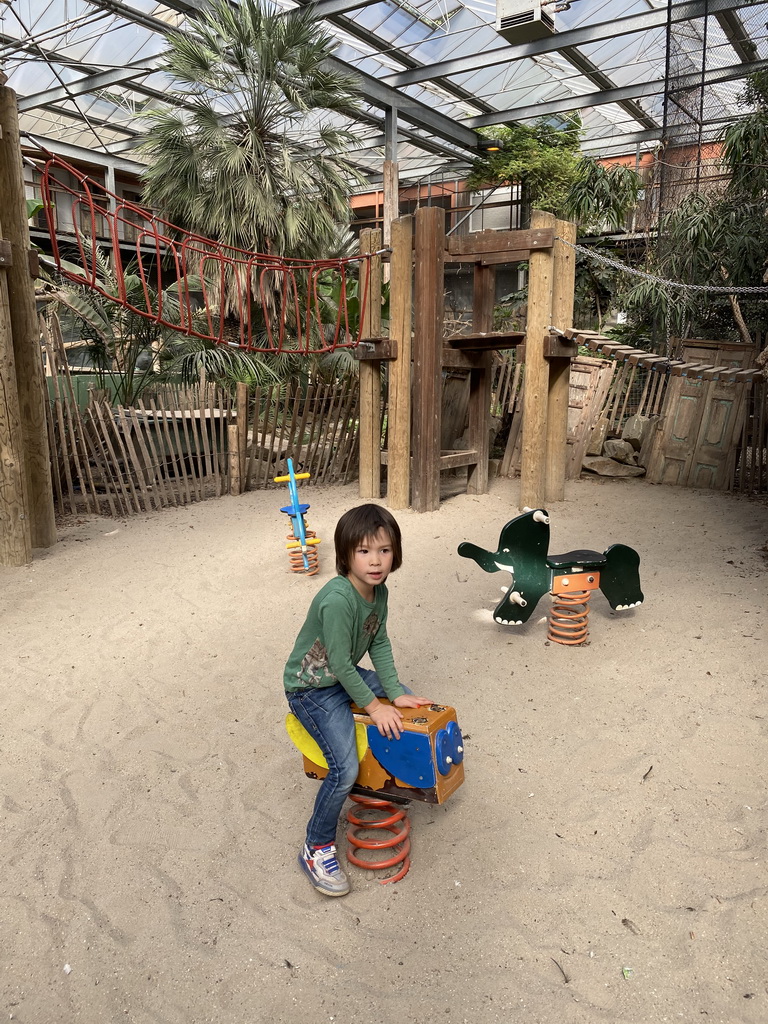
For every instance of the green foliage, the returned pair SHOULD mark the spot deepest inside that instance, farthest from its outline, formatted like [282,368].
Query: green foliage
[715,238]
[597,290]
[251,158]
[124,346]
[541,158]
[34,206]
[600,197]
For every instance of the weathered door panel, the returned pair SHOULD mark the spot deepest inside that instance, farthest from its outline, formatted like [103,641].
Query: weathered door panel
[675,442]
[715,453]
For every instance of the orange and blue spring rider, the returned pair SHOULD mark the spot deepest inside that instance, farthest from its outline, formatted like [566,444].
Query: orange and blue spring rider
[301,542]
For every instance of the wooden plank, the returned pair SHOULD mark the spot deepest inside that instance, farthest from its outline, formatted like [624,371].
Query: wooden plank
[233,459]
[353,419]
[563,284]
[333,422]
[241,409]
[55,460]
[222,404]
[535,401]
[485,341]
[556,347]
[130,498]
[284,420]
[453,460]
[601,376]
[627,393]
[72,417]
[298,445]
[15,538]
[172,464]
[107,471]
[254,437]
[384,350]
[263,475]
[484,295]
[453,359]
[136,466]
[193,459]
[95,445]
[490,259]
[427,363]
[208,420]
[489,241]
[369,481]
[290,440]
[20,321]
[60,419]
[173,417]
[150,443]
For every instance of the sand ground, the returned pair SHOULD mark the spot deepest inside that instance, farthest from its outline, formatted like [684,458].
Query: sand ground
[605,860]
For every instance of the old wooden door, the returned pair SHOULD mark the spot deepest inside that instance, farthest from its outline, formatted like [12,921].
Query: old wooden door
[695,444]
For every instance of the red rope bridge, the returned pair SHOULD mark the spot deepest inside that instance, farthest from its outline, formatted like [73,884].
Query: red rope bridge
[254,301]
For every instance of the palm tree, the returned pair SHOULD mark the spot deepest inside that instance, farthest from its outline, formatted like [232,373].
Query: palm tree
[253,156]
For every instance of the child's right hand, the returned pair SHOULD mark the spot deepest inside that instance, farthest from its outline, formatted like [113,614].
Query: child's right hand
[388,720]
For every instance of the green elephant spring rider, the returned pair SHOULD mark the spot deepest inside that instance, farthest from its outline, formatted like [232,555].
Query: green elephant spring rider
[570,577]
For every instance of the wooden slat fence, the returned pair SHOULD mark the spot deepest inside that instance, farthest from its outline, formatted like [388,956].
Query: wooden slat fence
[176,446]
[751,473]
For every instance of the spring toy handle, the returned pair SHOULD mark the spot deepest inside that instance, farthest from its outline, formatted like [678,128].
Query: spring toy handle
[299,538]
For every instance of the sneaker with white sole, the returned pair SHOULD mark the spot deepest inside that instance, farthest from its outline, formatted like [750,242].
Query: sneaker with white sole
[323,870]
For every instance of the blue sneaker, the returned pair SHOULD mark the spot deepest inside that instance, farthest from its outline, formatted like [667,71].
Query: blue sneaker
[324,871]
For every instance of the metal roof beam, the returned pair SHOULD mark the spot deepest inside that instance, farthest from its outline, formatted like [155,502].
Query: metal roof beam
[373,90]
[83,156]
[327,8]
[90,83]
[602,81]
[573,37]
[597,99]
[736,34]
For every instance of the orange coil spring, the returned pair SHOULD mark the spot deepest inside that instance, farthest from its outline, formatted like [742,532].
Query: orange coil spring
[396,822]
[568,617]
[296,558]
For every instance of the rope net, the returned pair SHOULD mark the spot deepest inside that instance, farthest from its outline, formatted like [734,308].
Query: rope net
[198,287]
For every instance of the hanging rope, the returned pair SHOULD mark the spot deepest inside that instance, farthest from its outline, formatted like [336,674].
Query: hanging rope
[664,282]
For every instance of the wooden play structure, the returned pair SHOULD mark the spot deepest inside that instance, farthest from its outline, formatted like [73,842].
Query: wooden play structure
[414,458]
[26,495]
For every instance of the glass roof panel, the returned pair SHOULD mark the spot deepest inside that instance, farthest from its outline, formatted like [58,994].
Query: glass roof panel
[45,46]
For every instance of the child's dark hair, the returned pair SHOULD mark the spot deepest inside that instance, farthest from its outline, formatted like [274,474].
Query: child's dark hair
[356,526]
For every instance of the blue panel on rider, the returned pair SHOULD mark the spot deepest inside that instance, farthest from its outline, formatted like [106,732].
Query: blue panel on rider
[408,759]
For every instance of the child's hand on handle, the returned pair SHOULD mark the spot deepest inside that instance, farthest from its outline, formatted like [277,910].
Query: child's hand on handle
[386,718]
[407,700]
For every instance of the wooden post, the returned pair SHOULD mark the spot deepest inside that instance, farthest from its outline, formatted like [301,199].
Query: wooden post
[427,361]
[233,454]
[536,391]
[31,386]
[563,283]
[369,485]
[391,204]
[400,315]
[480,380]
[15,545]
[241,407]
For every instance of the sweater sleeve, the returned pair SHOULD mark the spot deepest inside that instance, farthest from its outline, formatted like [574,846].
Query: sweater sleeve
[337,621]
[383,661]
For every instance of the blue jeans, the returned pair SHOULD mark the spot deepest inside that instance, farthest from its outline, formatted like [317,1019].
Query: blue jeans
[325,712]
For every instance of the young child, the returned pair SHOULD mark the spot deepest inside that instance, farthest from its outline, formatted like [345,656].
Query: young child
[347,619]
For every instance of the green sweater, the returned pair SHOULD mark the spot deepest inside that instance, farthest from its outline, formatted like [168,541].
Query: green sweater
[340,628]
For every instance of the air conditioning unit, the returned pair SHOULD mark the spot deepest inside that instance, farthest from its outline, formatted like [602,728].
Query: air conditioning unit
[521,21]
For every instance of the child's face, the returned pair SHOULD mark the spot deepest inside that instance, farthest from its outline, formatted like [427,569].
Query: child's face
[371,563]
